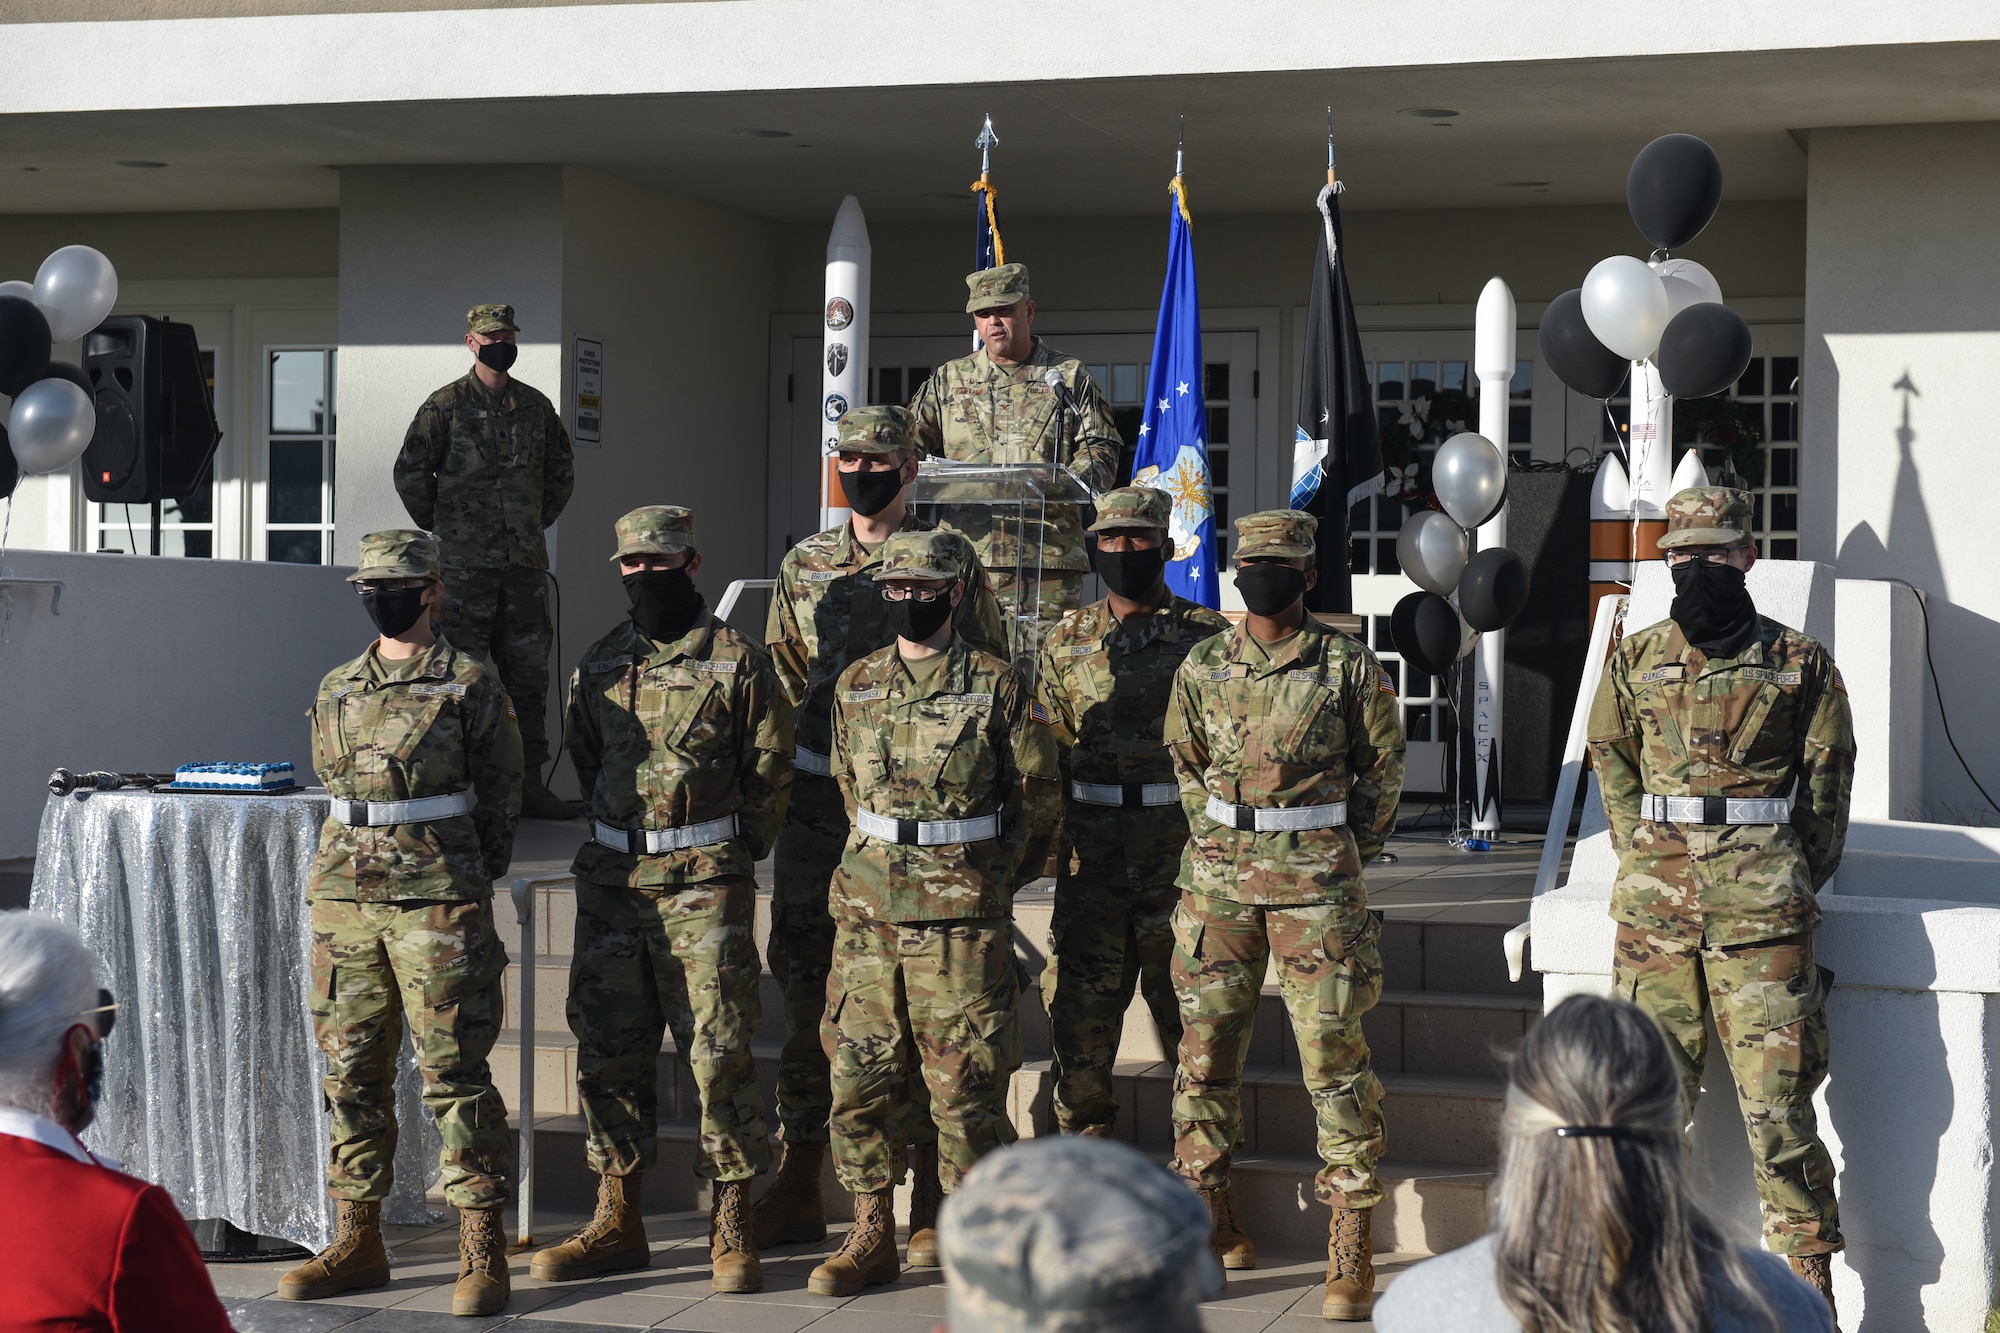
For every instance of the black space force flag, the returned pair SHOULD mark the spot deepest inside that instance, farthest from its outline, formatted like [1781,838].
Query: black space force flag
[1337,450]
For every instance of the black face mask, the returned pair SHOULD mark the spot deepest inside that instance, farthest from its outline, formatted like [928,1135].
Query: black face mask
[1269,588]
[393,610]
[1133,575]
[664,603]
[1713,607]
[869,493]
[917,621]
[498,356]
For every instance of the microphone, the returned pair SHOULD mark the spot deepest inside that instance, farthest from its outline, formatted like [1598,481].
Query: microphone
[1055,381]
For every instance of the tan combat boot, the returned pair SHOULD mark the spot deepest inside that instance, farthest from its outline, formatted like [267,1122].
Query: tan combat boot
[732,1240]
[612,1241]
[1227,1238]
[355,1261]
[868,1256]
[482,1263]
[791,1210]
[926,1197]
[1817,1270]
[1350,1265]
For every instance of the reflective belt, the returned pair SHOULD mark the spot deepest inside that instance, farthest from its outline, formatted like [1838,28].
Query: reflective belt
[1130,793]
[1715,809]
[654,841]
[806,761]
[381,814]
[1250,819]
[927,832]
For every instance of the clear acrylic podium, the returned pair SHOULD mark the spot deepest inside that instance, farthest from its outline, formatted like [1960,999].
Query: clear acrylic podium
[1010,512]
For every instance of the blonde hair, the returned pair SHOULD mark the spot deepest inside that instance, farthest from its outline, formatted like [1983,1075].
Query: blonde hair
[1596,1231]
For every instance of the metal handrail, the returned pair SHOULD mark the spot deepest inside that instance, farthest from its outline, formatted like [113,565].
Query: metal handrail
[522,890]
[55,596]
[735,591]
[1609,612]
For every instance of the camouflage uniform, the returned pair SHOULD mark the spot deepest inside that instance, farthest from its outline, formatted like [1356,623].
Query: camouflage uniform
[825,613]
[488,473]
[668,736]
[402,914]
[1105,684]
[924,950]
[1716,919]
[1309,722]
[974,410]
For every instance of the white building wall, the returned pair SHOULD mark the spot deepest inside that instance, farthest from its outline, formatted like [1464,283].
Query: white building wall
[1902,341]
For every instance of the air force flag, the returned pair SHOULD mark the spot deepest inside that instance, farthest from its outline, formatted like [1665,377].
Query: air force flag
[1172,453]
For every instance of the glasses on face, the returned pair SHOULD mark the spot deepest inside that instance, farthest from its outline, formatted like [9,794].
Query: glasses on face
[902,592]
[105,1014]
[1715,555]
[384,585]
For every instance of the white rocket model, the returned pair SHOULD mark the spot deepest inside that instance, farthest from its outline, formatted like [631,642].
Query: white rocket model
[1610,533]
[845,355]
[1493,363]
[1651,445]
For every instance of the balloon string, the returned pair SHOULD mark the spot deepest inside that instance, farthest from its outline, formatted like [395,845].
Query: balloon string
[6,598]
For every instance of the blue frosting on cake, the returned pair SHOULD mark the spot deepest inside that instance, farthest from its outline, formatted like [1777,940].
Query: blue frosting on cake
[201,777]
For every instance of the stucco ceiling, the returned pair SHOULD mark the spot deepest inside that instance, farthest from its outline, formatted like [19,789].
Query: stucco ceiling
[1255,143]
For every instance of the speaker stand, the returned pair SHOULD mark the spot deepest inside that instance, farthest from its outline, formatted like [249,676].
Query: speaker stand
[156,525]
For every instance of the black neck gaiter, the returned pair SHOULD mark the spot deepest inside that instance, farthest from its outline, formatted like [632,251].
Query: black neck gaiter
[664,603]
[1713,607]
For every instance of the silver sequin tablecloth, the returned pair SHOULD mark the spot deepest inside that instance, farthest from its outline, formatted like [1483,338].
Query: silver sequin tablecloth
[196,905]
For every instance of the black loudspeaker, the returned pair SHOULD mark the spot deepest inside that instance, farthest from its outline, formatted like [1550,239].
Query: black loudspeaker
[156,427]
[1548,526]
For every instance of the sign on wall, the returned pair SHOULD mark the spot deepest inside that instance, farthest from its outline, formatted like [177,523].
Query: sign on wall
[587,374]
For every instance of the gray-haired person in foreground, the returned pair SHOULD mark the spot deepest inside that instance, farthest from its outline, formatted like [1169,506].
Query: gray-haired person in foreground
[1596,1230]
[1068,1235]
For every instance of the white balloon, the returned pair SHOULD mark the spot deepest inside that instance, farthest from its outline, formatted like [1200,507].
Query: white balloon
[1687,283]
[1470,478]
[1431,550]
[51,425]
[76,288]
[1625,304]
[15,287]
[1468,639]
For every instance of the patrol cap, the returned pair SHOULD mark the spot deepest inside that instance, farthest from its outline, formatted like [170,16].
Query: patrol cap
[398,553]
[1285,534]
[1707,516]
[494,318]
[1133,507]
[992,287]
[877,430]
[1075,1235]
[655,530]
[938,555]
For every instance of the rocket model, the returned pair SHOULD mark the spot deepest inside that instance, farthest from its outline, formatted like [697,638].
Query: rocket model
[1493,363]
[848,259]
[1611,553]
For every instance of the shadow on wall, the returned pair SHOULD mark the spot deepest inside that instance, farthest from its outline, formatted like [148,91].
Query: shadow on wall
[1889,1117]
[1910,553]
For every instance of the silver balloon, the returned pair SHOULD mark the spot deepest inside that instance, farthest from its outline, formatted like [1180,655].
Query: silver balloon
[1470,477]
[51,425]
[1431,550]
[76,288]
[15,287]
[1468,639]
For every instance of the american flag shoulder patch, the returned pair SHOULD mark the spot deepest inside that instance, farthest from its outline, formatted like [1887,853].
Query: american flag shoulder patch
[1384,683]
[1838,683]
[1040,713]
[510,707]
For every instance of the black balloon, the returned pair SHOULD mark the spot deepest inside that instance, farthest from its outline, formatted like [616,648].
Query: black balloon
[1703,351]
[10,469]
[1673,189]
[63,370]
[1573,352]
[1426,633]
[24,344]
[1493,589]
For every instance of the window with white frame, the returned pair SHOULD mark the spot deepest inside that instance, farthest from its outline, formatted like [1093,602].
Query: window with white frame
[298,453]
[187,523]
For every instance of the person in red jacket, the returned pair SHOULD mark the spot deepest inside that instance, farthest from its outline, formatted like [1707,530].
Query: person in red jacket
[88,1247]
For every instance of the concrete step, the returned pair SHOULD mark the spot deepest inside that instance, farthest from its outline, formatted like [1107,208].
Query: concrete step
[1431,1207]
